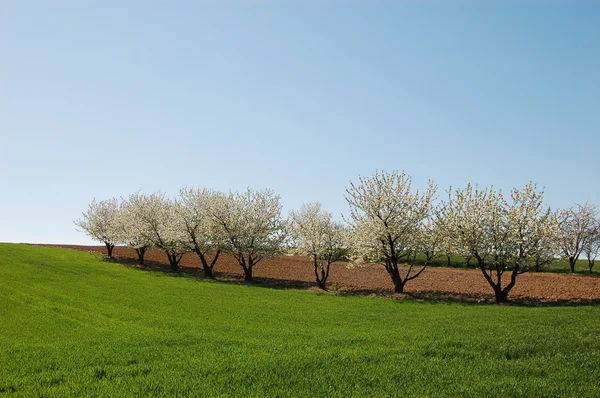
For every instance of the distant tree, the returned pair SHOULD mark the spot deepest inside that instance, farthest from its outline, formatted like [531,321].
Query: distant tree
[163,226]
[502,236]
[204,235]
[591,249]
[100,222]
[386,222]
[315,235]
[431,238]
[253,225]
[576,227]
[548,247]
[468,259]
[134,231]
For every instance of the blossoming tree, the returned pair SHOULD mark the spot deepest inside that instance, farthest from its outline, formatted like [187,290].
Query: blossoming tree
[576,229]
[133,230]
[253,226]
[315,235]
[386,222]
[101,223]
[163,226]
[197,208]
[502,236]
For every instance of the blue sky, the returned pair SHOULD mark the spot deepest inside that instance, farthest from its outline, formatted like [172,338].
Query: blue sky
[102,99]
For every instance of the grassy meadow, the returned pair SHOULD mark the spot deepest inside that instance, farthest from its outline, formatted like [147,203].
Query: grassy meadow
[72,324]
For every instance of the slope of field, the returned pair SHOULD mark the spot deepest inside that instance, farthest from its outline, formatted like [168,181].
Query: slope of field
[75,325]
[435,283]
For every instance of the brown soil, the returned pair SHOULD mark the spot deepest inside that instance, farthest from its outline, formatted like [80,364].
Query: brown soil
[445,284]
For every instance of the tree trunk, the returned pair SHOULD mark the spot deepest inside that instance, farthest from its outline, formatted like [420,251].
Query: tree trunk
[501,295]
[206,267]
[141,252]
[448,258]
[399,286]
[248,274]
[321,276]
[572,262]
[208,272]
[322,285]
[174,261]
[591,264]
[109,250]
[394,273]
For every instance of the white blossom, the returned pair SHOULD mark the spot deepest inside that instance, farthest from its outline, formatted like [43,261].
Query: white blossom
[101,223]
[134,231]
[576,229]
[197,209]
[386,220]
[163,226]
[315,235]
[501,235]
[253,225]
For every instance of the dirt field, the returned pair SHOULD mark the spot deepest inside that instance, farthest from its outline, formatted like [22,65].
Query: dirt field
[445,284]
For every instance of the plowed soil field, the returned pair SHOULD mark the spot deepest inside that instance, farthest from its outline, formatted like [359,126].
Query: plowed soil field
[439,284]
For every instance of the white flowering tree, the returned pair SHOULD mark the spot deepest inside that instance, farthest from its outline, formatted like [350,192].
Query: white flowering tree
[576,229]
[100,222]
[502,236]
[133,230]
[253,226]
[386,221]
[431,240]
[315,235]
[591,249]
[548,250]
[163,226]
[197,209]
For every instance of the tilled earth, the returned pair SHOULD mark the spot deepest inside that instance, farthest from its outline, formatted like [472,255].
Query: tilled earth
[440,284]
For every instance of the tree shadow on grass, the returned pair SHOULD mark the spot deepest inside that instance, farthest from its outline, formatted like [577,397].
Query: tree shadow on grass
[432,296]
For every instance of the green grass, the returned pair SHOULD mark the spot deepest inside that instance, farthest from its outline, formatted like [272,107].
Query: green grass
[75,325]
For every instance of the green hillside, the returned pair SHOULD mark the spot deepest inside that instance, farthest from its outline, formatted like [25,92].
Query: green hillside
[72,324]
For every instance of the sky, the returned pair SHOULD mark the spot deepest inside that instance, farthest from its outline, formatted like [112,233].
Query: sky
[101,99]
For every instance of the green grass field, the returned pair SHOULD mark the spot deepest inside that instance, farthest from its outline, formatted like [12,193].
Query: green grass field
[75,325]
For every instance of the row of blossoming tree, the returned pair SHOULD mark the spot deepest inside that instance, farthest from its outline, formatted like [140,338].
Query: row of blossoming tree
[388,223]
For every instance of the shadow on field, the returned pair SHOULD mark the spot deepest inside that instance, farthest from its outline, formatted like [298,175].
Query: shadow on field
[432,296]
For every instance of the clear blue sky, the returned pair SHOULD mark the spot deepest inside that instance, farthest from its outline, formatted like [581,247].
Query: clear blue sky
[103,98]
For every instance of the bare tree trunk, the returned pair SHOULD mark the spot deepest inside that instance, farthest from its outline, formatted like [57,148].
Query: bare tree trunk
[141,252]
[396,279]
[572,261]
[391,266]
[248,274]
[321,273]
[206,267]
[448,259]
[591,264]
[399,286]
[109,250]
[501,295]
[174,259]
